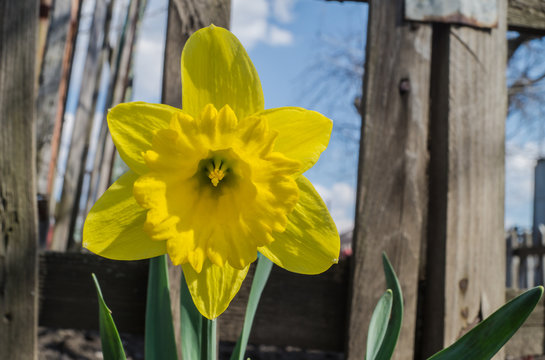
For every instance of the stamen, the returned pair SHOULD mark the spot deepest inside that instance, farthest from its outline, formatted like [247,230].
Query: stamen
[215,174]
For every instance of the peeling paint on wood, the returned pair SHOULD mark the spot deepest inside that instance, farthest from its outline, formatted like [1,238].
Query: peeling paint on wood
[482,13]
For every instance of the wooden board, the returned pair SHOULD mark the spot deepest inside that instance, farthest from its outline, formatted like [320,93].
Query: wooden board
[18,227]
[297,310]
[68,297]
[48,94]
[527,16]
[392,184]
[466,252]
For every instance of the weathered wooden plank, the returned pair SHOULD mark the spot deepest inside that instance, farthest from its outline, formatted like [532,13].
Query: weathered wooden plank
[67,58]
[392,190]
[297,310]
[48,93]
[69,203]
[68,296]
[526,16]
[184,18]
[466,257]
[18,227]
[522,15]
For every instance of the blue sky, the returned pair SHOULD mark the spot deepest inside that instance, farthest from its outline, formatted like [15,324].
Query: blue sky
[293,44]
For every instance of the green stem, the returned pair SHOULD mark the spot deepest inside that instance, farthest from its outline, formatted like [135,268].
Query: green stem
[209,339]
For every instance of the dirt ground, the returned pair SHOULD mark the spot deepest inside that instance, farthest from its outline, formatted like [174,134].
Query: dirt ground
[65,344]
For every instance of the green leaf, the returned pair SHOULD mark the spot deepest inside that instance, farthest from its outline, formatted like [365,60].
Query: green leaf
[262,271]
[191,322]
[484,340]
[396,318]
[112,349]
[379,324]
[160,343]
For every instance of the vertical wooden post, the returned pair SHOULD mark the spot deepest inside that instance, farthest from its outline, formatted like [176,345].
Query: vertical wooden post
[184,18]
[466,254]
[18,235]
[392,192]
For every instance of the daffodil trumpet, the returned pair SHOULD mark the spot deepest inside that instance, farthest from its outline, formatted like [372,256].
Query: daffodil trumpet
[216,182]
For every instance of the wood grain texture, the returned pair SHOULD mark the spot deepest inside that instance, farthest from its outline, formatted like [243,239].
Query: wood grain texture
[392,183]
[18,226]
[526,16]
[63,93]
[65,217]
[48,93]
[466,254]
[184,18]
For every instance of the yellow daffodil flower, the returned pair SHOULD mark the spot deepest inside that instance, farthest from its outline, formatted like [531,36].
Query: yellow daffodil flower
[216,182]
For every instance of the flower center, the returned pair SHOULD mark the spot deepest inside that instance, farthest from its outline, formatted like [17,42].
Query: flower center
[215,172]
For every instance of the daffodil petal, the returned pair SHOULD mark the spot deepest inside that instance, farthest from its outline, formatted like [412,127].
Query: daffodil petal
[114,227]
[302,134]
[214,287]
[310,244]
[133,125]
[217,70]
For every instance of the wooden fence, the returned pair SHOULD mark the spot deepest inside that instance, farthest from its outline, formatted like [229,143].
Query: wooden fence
[525,251]
[430,190]
[309,312]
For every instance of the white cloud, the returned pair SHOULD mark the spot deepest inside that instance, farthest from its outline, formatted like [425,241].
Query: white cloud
[251,21]
[283,10]
[278,36]
[340,200]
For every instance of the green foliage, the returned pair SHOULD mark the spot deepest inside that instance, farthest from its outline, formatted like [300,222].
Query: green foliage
[262,272]
[394,325]
[112,349]
[487,338]
[191,325]
[481,343]
[379,324]
[160,343]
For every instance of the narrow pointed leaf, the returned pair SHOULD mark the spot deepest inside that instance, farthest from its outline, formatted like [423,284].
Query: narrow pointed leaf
[191,322]
[112,349]
[160,343]
[487,338]
[262,272]
[396,317]
[378,325]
